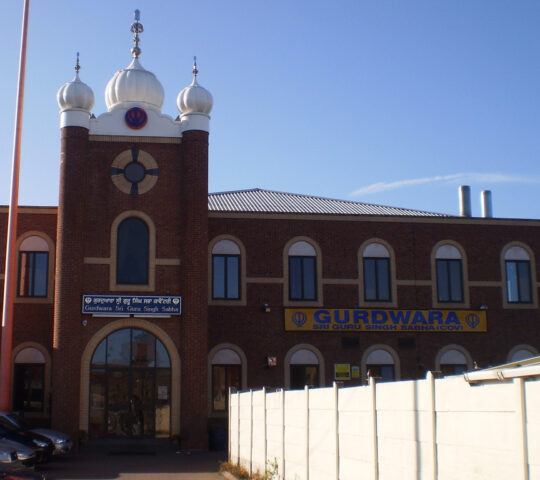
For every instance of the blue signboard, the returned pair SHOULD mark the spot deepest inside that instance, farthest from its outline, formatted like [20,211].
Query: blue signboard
[131,305]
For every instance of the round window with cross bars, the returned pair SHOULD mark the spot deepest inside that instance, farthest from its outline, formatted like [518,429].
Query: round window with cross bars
[134,172]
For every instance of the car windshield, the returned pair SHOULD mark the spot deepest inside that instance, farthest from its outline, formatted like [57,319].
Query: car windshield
[17,420]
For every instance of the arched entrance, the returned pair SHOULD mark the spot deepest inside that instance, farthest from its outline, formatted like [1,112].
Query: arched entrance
[130,386]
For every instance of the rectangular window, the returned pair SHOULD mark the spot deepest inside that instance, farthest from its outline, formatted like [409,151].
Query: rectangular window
[518,281]
[302,375]
[377,279]
[449,280]
[226,277]
[223,377]
[302,278]
[33,271]
[383,373]
[28,386]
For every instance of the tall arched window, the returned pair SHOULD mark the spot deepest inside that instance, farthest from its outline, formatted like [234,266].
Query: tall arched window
[225,271]
[132,252]
[517,263]
[380,364]
[29,381]
[226,373]
[33,267]
[304,369]
[302,272]
[449,272]
[453,360]
[377,279]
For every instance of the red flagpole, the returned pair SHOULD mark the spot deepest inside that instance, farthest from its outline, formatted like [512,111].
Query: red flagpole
[11,251]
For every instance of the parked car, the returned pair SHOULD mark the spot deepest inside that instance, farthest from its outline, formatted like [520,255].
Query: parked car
[20,474]
[8,455]
[25,455]
[62,442]
[42,445]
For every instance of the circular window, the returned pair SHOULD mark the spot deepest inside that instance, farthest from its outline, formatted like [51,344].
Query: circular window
[134,172]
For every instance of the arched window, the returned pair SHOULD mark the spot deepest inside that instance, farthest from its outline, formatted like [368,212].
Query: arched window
[517,264]
[226,271]
[380,364]
[449,273]
[453,360]
[377,279]
[521,352]
[132,252]
[130,386]
[304,369]
[29,381]
[302,272]
[33,267]
[226,373]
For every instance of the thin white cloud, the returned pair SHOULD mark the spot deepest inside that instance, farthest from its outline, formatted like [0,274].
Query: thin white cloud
[457,178]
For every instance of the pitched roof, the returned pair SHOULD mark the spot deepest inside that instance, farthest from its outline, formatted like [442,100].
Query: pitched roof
[257,200]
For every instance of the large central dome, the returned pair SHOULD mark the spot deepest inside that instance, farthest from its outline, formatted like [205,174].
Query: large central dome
[134,84]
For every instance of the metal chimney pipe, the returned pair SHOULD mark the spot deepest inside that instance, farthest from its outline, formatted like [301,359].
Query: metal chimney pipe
[465,201]
[487,207]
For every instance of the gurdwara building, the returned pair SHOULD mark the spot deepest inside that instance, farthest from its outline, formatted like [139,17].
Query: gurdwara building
[141,299]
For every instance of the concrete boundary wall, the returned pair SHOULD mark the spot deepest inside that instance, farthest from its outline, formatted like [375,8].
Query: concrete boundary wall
[436,429]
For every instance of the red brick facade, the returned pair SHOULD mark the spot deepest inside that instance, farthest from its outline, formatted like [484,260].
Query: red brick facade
[82,230]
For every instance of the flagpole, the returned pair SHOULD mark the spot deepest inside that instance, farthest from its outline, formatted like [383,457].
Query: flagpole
[11,251]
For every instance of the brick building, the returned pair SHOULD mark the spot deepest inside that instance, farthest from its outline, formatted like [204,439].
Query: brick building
[141,298]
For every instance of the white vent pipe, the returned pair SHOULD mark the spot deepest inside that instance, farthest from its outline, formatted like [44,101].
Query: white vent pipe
[487,207]
[465,201]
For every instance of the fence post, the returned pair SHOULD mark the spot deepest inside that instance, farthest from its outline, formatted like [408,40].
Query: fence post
[336,418]
[433,420]
[237,428]
[282,434]
[265,429]
[306,389]
[522,425]
[251,431]
[373,388]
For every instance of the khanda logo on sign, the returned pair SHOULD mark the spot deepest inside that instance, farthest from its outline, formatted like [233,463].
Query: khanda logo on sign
[136,118]
[299,319]
[472,320]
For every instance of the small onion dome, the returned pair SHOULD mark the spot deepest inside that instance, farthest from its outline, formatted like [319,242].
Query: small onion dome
[194,98]
[75,94]
[134,84]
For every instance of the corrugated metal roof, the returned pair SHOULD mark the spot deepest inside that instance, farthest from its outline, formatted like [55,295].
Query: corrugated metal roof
[257,200]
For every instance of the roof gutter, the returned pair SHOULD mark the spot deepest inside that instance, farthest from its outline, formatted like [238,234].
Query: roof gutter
[501,374]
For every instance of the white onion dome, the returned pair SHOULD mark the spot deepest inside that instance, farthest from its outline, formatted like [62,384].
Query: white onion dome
[75,94]
[194,98]
[134,84]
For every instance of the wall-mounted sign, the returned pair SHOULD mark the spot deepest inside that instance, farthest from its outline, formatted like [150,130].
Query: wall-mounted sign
[131,305]
[355,372]
[370,320]
[342,371]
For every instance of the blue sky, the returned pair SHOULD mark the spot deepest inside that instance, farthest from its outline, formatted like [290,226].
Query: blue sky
[387,102]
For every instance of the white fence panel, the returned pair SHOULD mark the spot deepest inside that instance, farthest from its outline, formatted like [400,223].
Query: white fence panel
[258,456]
[245,430]
[446,429]
[476,430]
[274,428]
[295,465]
[234,438]
[322,434]
[356,434]
[532,425]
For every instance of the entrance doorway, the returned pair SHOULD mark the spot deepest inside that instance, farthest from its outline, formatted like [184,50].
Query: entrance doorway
[130,386]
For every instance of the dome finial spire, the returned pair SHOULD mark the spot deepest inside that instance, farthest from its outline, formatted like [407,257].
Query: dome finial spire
[77,65]
[195,71]
[136,28]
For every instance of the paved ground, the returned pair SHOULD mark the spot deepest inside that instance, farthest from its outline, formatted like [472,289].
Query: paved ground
[157,460]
